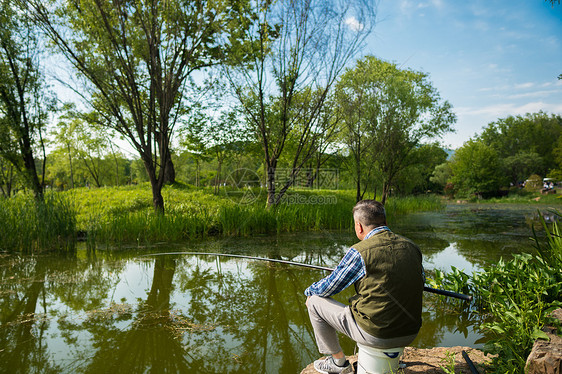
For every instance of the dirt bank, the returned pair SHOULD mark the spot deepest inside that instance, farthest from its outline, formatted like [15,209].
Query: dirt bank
[432,361]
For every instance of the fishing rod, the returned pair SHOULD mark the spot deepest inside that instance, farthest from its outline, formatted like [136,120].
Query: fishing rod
[425,288]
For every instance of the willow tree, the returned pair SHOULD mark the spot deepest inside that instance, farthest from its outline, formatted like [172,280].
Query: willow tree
[136,57]
[24,103]
[302,46]
[388,112]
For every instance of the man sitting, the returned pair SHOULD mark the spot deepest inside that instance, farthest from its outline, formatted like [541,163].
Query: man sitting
[386,310]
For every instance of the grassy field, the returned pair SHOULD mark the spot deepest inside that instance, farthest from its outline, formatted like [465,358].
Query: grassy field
[125,214]
[524,197]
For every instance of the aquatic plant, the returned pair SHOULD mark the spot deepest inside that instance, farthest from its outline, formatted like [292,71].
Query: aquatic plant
[516,296]
[30,225]
[410,204]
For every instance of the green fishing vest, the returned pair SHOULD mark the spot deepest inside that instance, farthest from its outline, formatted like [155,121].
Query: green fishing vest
[388,299]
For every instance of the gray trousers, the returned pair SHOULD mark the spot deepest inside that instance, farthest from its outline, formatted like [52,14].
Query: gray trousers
[329,316]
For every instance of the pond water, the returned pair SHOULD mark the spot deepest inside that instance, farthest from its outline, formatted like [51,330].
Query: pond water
[126,311]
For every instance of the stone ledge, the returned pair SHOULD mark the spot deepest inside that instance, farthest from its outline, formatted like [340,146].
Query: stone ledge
[546,356]
[431,361]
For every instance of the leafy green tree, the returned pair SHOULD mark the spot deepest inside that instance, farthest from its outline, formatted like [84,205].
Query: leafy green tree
[388,112]
[557,155]
[87,147]
[136,57]
[24,101]
[416,177]
[214,136]
[533,133]
[476,169]
[521,165]
[303,46]
[138,171]
[57,171]
[356,133]
[193,137]
[441,174]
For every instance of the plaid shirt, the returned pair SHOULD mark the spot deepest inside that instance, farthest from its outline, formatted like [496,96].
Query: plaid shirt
[350,269]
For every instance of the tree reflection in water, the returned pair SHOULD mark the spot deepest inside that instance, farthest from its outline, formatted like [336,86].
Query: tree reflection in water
[195,316]
[118,312]
[22,349]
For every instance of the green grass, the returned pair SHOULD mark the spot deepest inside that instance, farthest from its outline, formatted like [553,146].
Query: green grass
[525,197]
[125,214]
[32,226]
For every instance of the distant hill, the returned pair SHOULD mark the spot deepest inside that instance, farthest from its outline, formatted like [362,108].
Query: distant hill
[450,153]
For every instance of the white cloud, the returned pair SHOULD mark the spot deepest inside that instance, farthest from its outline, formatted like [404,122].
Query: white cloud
[482,26]
[437,3]
[509,109]
[524,85]
[543,93]
[500,90]
[354,24]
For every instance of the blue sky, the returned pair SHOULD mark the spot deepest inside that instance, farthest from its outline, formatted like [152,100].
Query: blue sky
[489,59]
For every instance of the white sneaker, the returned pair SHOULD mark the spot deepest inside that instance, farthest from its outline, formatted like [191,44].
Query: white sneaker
[328,366]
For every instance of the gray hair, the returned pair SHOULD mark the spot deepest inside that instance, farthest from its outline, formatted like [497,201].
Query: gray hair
[370,213]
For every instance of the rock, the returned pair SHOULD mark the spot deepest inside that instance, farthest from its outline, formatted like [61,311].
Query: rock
[546,356]
[432,361]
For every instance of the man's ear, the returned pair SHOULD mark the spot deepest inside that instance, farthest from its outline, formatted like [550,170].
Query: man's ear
[360,227]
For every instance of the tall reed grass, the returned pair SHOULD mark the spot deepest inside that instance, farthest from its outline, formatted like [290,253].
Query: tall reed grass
[30,225]
[396,206]
[118,215]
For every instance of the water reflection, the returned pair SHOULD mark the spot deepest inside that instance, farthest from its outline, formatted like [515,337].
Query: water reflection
[121,311]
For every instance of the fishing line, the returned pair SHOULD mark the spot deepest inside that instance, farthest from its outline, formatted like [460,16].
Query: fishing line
[287,262]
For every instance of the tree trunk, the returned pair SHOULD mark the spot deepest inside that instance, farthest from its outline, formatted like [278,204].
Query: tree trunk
[116,164]
[197,166]
[116,171]
[217,178]
[71,169]
[155,184]
[270,185]
[8,179]
[358,194]
[385,192]
[31,170]
[157,198]
[164,145]
[170,172]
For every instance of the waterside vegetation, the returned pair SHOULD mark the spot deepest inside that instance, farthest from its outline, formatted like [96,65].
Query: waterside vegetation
[124,215]
[514,299]
[31,225]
